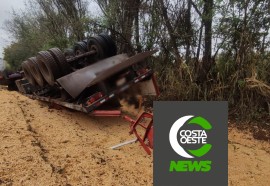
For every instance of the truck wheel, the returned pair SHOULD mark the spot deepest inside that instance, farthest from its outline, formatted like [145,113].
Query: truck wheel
[80,48]
[110,43]
[97,44]
[36,72]
[48,67]
[27,73]
[60,60]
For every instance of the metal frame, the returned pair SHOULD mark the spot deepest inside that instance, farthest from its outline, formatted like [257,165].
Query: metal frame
[89,108]
[147,139]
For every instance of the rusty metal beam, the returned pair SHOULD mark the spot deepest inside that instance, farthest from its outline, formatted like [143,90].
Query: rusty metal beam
[81,56]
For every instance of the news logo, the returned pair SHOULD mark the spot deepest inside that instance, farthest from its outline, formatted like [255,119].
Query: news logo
[190,138]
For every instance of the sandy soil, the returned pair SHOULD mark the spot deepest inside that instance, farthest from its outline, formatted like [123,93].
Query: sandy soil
[249,159]
[43,146]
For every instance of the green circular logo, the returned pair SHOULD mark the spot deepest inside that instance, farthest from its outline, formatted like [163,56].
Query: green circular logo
[190,136]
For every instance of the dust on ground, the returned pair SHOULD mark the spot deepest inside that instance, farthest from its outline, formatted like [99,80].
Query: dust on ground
[42,146]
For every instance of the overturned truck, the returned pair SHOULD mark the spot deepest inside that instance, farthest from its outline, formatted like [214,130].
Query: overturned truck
[87,76]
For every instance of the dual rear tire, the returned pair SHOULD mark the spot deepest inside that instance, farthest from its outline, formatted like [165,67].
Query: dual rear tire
[46,67]
[50,65]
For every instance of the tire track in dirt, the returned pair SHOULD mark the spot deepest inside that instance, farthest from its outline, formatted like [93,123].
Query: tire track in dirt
[55,171]
[20,163]
[42,146]
[77,145]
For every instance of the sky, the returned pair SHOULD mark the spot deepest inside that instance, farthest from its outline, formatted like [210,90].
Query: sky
[5,14]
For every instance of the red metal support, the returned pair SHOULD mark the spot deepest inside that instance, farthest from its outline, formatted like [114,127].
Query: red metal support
[147,140]
[112,113]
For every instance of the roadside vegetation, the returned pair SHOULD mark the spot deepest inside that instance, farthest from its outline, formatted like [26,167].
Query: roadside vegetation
[208,49]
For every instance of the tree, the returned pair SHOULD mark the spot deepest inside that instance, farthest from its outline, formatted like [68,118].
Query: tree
[122,20]
[43,25]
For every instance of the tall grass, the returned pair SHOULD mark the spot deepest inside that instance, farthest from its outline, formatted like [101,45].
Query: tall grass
[243,85]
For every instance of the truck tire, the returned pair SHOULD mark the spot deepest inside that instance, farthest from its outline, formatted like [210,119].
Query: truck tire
[60,60]
[26,67]
[48,67]
[97,44]
[80,48]
[111,44]
[36,72]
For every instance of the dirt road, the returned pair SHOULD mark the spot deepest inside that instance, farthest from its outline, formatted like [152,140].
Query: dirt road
[42,146]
